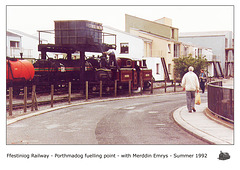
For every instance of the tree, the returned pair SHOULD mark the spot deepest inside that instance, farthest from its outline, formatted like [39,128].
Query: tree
[181,65]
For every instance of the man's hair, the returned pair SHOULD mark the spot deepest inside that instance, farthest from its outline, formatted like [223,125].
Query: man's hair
[190,68]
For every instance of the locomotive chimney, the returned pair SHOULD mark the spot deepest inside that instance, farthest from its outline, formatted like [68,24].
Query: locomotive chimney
[21,54]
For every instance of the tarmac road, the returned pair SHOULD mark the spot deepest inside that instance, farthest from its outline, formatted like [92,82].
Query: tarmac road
[140,120]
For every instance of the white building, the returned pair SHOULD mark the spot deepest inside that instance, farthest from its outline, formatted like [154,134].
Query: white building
[14,45]
[128,46]
[187,49]
[218,41]
[20,42]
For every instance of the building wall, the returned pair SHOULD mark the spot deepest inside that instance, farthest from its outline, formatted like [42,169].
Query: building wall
[13,51]
[157,69]
[135,44]
[150,26]
[28,46]
[160,48]
[217,42]
[210,70]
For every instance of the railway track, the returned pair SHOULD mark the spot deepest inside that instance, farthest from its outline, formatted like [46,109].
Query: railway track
[62,96]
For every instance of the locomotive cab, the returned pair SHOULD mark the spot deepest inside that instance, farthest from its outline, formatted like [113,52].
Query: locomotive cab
[134,71]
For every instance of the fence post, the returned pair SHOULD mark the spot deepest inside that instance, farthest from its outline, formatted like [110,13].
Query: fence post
[101,86]
[86,90]
[25,99]
[10,100]
[52,93]
[115,89]
[141,84]
[151,86]
[69,91]
[34,98]
[129,87]
[165,82]
[174,83]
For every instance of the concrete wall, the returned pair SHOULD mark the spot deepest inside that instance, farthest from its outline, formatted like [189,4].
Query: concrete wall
[153,63]
[160,48]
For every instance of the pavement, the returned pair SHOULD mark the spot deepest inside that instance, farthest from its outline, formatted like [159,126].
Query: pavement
[204,125]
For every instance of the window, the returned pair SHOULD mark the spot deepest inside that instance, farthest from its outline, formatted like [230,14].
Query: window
[14,44]
[129,63]
[144,63]
[169,48]
[185,51]
[226,43]
[199,52]
[176,50]
[169,68]
[157,68]
[172,33]
[124,48]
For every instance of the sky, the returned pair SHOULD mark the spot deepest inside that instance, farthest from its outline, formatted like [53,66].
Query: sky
[31,18]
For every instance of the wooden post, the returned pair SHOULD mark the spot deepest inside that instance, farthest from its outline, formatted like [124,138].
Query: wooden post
[115,89]
[141,84]
[10,101]
[165,85]
[52,93]
[69,91]
[151,86]
[25,99]
[86,90]
[174,83]
[34,98]
[101,89]
[129,87]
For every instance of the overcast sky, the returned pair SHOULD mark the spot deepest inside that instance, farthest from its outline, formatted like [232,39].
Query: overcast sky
[29,19]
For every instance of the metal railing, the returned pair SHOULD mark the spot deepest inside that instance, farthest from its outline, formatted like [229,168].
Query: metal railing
[221,101]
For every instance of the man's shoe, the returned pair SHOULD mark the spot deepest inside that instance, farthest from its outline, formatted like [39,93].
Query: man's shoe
[194,109]
[190,111]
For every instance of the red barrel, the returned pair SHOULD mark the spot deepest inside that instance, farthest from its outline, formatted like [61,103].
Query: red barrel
[20,70]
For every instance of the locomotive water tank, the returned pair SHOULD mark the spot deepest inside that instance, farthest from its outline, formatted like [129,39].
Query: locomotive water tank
[19,70]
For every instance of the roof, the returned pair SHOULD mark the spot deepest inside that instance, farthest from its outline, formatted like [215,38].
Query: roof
[155,22]
[12,34]
[203,34]
[155,35]
[24,34]
[117,30]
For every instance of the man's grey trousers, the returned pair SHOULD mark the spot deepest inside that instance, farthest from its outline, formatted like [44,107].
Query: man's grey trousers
[190,100]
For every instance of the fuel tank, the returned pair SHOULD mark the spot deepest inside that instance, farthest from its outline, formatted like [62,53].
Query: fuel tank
[19,70]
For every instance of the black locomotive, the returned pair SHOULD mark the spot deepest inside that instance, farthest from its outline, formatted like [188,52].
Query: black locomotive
[105,68]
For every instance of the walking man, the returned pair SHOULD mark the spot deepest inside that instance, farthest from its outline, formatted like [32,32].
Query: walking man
[203,79]
[190,83]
